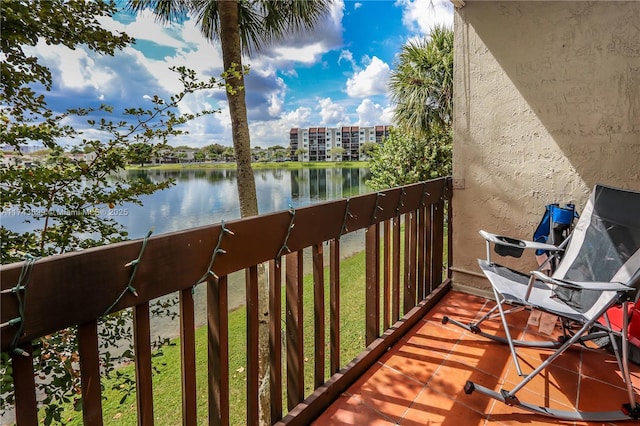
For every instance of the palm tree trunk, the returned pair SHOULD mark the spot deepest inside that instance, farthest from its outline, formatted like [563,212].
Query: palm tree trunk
[232,60]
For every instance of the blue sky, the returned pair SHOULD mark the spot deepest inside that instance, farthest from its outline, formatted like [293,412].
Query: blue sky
[332,77]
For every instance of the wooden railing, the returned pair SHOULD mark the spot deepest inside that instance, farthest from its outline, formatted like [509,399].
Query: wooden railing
[76,289]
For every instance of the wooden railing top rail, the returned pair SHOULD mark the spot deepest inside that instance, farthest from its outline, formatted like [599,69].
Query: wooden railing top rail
[74,288]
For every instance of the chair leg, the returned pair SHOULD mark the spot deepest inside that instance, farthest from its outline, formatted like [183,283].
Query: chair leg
[486,316]
[546,362]
[614,346]
[491,313]
[507,331]
[565,345]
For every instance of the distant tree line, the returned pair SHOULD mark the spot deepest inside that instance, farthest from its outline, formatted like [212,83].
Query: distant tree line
[141,154]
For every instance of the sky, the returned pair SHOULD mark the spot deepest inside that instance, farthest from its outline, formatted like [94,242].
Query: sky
[335,76]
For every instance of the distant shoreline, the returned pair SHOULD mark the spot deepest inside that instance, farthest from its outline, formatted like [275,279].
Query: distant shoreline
[255,166]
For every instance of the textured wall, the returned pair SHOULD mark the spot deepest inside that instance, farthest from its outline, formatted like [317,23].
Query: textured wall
[546,104]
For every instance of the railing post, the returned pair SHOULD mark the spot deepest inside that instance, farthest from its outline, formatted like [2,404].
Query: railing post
[409,262]
[275,339]
[372,292]
[142,350]
[90,373]
[421,265]
[386,275]
[24,387]
[334,304]
[188,357]
[295,336]
[438,236]
[318,317]
[395,281]
[429,247]
[252,344]
[218,351]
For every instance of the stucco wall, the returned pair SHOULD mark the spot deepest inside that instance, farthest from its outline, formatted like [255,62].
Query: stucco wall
[546,105]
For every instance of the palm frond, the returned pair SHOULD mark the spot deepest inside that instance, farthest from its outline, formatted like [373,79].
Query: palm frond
[261,22]
[164,10]
[264,22]
[421,84]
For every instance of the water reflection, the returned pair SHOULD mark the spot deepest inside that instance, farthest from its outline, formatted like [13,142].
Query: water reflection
[206,196]
[328,184]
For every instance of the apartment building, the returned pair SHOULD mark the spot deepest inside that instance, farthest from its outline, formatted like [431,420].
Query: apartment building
[322,143]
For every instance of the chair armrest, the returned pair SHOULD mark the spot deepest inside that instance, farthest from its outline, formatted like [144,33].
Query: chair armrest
[517,243]
[583,285]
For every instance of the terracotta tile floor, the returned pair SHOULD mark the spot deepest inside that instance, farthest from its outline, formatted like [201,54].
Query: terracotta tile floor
[420,380]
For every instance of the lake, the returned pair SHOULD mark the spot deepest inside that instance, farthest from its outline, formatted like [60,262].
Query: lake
[206,196]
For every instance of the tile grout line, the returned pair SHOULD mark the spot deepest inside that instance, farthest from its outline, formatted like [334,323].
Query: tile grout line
[435,372]
[385,416]
[426,385]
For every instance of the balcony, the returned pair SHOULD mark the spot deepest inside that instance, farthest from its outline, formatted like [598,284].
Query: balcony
[412,369]
[421,379]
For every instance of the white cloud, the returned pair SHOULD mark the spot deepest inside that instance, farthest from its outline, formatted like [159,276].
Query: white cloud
[370,81]
[120,75]
[186,46]
[146,27]
[331,113]
[73,69]
[202,60]
[422,15]
[276,132]
[290,73]
[224,118]
[308,54]
[306,47]
[357,5]
[387,114]
[300,117]
[370,113]
[347,55]
[269,133]
[276,98]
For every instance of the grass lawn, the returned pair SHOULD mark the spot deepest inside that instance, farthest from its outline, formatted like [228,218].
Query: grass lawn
[167,381]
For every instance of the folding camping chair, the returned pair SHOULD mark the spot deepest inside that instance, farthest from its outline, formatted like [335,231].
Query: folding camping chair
[600,269]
